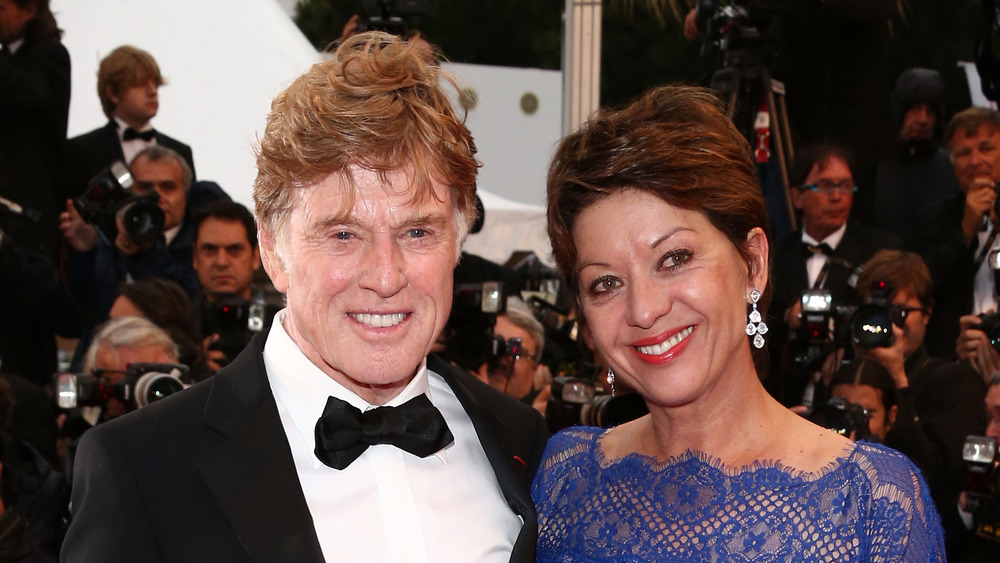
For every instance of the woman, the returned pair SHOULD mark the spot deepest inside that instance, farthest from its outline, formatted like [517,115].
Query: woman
[656,219]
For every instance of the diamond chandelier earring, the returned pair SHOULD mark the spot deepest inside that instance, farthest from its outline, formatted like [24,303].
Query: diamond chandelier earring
[756,326]
[611,380]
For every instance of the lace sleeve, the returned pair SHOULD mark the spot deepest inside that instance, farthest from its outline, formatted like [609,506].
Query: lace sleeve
[902,522]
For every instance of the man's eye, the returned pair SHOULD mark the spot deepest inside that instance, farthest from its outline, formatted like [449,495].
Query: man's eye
[343,235]
[417,233]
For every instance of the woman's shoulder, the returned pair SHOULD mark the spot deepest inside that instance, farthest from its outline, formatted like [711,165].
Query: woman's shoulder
[573,441]
[883,465]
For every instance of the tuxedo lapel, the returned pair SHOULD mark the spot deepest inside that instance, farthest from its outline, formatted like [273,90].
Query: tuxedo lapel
[510,468]
[111,146]
[252,475]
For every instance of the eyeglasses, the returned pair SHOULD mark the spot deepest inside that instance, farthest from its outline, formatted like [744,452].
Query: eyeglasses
[827,187]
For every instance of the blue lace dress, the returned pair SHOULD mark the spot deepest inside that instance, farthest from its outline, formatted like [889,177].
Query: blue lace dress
[871,505]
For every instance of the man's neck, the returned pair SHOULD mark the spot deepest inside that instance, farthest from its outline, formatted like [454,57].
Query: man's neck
[138,126]
[819,234]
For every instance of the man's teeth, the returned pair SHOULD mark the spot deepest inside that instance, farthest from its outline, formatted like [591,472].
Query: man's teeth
[661,348]
[379,321]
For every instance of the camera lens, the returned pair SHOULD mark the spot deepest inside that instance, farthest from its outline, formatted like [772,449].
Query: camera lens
[154,386]
[143,221]
[871,327]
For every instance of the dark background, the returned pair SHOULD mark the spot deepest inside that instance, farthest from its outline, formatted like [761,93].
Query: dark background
[637,50]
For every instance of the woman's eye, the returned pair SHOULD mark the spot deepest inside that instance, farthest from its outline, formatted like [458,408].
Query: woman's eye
[676,259]
[604,285]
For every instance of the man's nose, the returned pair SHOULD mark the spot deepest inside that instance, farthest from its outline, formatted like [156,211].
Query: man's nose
[384,272]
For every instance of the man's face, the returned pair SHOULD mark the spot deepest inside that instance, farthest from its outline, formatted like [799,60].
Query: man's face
[992,402]
[368,286]
[13,20]
[918,123]
[167,178]
[915,325]
[976,157]
[224,258]
[518,379]
[114,363]
[826,210]
[136,104]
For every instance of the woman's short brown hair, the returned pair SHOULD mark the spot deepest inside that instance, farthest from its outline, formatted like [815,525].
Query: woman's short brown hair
[674,142]
[375,104]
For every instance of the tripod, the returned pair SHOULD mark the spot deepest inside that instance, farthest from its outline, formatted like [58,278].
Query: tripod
[745,73]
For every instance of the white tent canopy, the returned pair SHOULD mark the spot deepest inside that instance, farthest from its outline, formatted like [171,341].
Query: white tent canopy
[224,60]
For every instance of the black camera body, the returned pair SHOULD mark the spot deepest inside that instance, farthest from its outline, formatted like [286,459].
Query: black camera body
[845,418]
[982,485]
[989,323]
[871,325]
[470,341]
[822,329]
[109,195]
[236,321]
[143,384]
[577,401]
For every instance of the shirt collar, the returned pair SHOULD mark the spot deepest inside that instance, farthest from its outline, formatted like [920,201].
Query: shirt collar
[122,126]
[303,387]
[832,241]
[13,46]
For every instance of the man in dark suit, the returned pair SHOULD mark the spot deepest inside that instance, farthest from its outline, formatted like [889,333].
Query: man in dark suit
[34,110]
[365,190]
[825,253]
[956,238]
[128,80]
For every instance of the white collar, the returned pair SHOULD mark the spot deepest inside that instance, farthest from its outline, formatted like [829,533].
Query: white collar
[832,241]
[13,46]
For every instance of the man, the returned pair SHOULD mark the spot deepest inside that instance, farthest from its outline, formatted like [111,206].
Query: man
[128,81]
[515,373]
[920,170]
[822,255]
[226,258]
[938,400]
[96,265]
[360,225]
[956,236]
[225,250]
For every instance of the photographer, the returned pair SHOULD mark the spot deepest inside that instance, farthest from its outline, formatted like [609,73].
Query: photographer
[939,400]
[517,371]
[981,546]
[822,255]
[866,384]
[118,344]
[955,237]
[225,258]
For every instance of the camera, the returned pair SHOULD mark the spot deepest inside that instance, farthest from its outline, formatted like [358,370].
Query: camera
[871,325]
[470,341]
[109,196]
[982,485]
[236,321]
[845,418]
[388,12]
[144,383]
[821,329]
[577,401]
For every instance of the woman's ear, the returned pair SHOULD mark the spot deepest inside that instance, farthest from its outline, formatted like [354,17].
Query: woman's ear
[757,250]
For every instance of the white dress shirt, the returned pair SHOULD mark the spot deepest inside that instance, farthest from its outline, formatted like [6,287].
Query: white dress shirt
[984,297]
[815,263]
[389,505]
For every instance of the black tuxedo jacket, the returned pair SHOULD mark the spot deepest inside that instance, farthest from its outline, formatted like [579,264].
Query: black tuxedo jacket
[207,475]
[94,151]
[940,241]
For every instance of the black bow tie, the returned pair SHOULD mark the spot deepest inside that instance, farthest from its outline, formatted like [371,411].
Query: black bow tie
[131,134]
[808,250]
[343,433]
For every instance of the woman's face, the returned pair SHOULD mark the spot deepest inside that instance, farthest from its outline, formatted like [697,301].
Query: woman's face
[665,295]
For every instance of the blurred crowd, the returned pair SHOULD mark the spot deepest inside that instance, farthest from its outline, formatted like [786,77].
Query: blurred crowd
[152,280]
